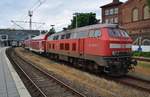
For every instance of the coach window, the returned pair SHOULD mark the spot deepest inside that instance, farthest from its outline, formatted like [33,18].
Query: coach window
[54,38]
[135,14]
[97,33]
[57,37]
[50,38]
[63,37]
[146,11]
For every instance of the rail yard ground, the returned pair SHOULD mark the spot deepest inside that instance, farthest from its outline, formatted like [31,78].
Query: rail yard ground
[143,67]
[84,81]
[142,70]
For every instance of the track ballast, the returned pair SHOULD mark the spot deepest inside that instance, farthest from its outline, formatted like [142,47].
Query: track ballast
[38,82]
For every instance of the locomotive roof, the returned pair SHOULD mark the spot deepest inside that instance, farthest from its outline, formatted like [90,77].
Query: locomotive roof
[90,27]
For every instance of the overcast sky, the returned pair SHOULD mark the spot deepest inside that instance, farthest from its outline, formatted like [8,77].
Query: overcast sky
[56,12]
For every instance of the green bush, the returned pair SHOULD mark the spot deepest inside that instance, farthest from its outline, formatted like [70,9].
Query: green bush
[141,54]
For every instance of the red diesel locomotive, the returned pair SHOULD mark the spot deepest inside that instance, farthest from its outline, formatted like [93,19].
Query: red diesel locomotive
[100,47]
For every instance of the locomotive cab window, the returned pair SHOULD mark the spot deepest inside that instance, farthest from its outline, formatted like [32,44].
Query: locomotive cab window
[114,33]
[97,33]
[124,33]
[118,33]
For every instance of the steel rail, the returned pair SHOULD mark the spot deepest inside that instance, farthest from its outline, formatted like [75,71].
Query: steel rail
[134,82]
[142,59]
[22,73]
[51,77]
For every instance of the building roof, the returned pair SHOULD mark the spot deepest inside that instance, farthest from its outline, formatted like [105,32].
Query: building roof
[112,4]
[18,34]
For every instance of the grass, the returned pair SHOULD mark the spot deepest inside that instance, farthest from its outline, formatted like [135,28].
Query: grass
[83,81]
[144,64]
[141,54]
[143,68]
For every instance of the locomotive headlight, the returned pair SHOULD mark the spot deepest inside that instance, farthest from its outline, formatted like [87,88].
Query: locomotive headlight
[113,52]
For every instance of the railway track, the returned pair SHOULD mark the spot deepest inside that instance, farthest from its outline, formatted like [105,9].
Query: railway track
[134,82]
[38,82]
[142,59]
[130,81]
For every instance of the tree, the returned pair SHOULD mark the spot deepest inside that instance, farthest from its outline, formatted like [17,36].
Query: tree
[83,19]
[52,30]
[148,1]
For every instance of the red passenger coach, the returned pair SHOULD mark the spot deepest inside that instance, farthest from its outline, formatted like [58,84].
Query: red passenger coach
[38,43]
[100,47]
[26,43]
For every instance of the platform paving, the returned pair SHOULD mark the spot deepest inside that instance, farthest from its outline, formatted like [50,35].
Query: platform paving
[10,83]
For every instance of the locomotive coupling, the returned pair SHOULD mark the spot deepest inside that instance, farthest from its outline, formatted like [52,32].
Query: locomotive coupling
[134,62]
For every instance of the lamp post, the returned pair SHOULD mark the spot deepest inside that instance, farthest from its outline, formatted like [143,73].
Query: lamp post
[52,26]
[0,41]
[30,13]
[76,16]
[139,41]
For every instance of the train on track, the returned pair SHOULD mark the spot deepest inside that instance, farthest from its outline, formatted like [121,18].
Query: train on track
[101,48]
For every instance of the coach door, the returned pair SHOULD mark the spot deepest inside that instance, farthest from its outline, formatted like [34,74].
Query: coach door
[81,46]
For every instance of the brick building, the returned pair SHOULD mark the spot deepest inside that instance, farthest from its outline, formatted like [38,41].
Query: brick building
[111,11]
[134,16]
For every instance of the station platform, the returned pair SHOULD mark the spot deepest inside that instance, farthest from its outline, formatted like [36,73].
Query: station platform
[10,83]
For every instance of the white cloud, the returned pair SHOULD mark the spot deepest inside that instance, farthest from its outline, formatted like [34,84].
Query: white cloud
[54,12]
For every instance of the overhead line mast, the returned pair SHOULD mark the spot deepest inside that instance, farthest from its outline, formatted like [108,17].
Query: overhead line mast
[30,14]
[30,21]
